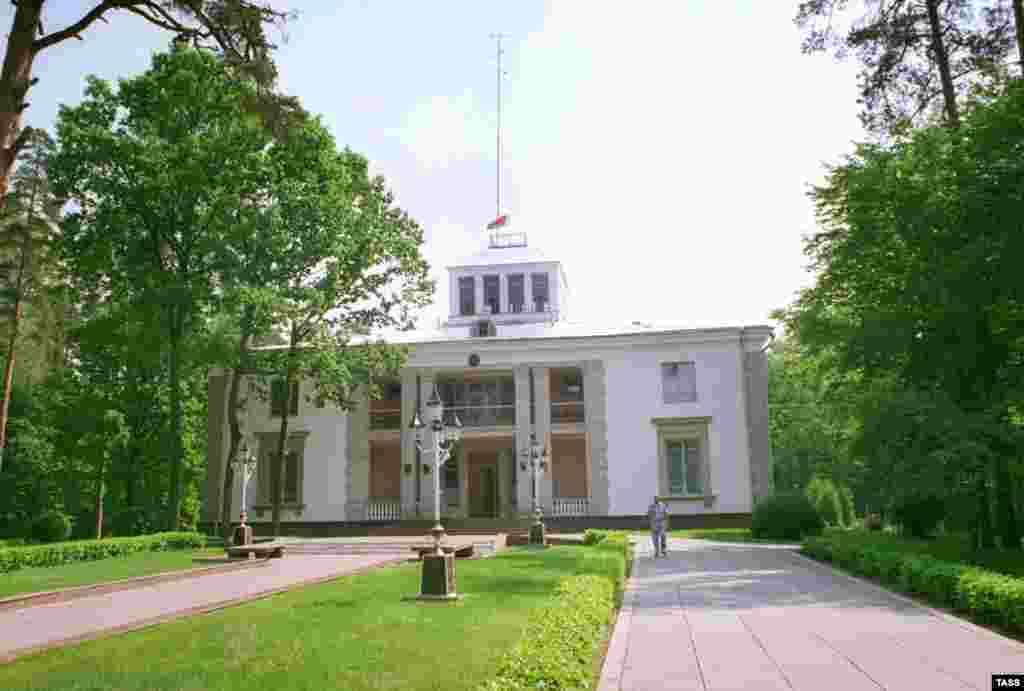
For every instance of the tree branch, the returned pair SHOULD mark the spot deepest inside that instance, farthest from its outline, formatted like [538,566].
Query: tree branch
[76,28]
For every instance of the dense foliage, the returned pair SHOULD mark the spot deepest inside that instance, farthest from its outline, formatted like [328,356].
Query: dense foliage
[194,229]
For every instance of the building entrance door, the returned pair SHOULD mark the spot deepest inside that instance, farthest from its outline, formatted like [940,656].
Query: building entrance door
[483,484]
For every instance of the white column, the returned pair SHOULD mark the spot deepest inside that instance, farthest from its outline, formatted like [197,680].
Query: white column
[426,481]
[408,457]
[523,479]
[542,394]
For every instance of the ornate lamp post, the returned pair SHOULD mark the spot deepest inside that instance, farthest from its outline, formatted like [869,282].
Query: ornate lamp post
[438,578]
[536,459]
[244,464]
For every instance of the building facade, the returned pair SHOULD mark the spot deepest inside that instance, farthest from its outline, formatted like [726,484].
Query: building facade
[625,414]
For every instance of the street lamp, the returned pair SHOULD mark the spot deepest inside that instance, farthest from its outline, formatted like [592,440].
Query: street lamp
[438,582]
[244,464]
[536,459]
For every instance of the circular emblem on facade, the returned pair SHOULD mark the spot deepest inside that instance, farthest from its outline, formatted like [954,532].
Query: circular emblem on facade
[474,360]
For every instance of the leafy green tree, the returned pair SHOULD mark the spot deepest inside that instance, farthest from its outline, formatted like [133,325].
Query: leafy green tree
[913,53]
[157,169]
[236,29]
[28,227]
[360,271]
[916,291]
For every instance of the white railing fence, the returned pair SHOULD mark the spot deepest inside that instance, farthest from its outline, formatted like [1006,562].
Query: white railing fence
[383,510]
[571,506]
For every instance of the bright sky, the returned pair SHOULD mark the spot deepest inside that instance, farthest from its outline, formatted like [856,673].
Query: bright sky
[660,150]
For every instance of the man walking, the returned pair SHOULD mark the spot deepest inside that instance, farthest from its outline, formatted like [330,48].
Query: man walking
[657,512]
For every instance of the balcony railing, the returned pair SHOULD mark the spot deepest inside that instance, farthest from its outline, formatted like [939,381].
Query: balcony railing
[570,506]
[566,412]
[386,418]
[383,510]
[485,415]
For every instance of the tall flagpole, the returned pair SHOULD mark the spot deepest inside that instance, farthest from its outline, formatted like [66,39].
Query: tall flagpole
[497,212]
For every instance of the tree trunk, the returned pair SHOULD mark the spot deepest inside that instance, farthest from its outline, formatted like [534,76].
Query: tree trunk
[234,426]
[983,538]
[1018,20]
[99,502]
[177,447]
[942,60]
[1009,533]
[15,81]
[9,365]
[282,441]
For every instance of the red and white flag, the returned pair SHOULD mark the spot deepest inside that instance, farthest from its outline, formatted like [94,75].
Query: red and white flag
[499,222]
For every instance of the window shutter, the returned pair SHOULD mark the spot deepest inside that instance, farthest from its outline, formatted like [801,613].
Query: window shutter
[676,476]
[293,407]
[277,398]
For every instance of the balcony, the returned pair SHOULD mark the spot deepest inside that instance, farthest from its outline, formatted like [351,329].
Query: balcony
[566,412]
[570,506]
[485,415]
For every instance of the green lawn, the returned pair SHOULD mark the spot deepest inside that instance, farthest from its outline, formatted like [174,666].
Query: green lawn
[953,548]
[38,579]
[354,633]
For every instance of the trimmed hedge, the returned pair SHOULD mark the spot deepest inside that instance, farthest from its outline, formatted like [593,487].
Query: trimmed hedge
[57,553]
[561,640]
[786,516]
[988,597]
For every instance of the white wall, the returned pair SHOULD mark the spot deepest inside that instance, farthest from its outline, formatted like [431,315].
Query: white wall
[326,457]
[634,398]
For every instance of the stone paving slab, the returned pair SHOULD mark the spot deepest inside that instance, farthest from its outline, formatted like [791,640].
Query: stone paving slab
[732,616]
[47,625]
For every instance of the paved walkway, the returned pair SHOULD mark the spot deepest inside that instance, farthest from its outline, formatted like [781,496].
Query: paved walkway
[22,630]
[714,616]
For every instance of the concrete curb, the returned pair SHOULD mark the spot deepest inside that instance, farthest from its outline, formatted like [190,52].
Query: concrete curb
[945,616]
[74,593]
[180,614]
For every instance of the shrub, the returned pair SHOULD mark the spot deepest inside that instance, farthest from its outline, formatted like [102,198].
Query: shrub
[918,515]
[52,526]
[825,497]
[561,640]
[59,553]
[986,596]
[785,517]
[594,537]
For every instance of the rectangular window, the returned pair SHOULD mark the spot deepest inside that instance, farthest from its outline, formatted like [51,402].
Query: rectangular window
[516,293]
[451,483]
[684,469]
[291,478]
[540,292]
[277,398]
[492,297]
[678,382]
[467,296]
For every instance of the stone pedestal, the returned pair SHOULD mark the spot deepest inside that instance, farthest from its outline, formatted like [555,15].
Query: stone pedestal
[438,580]
[242,534]
[538,535]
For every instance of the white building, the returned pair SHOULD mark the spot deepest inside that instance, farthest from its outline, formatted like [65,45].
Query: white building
[624,413]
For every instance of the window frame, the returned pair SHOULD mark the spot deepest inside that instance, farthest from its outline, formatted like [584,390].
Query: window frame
[672,398]
[464,299]
[515,306]
[296,445]
[684,429]
[534,282]
[492,281]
